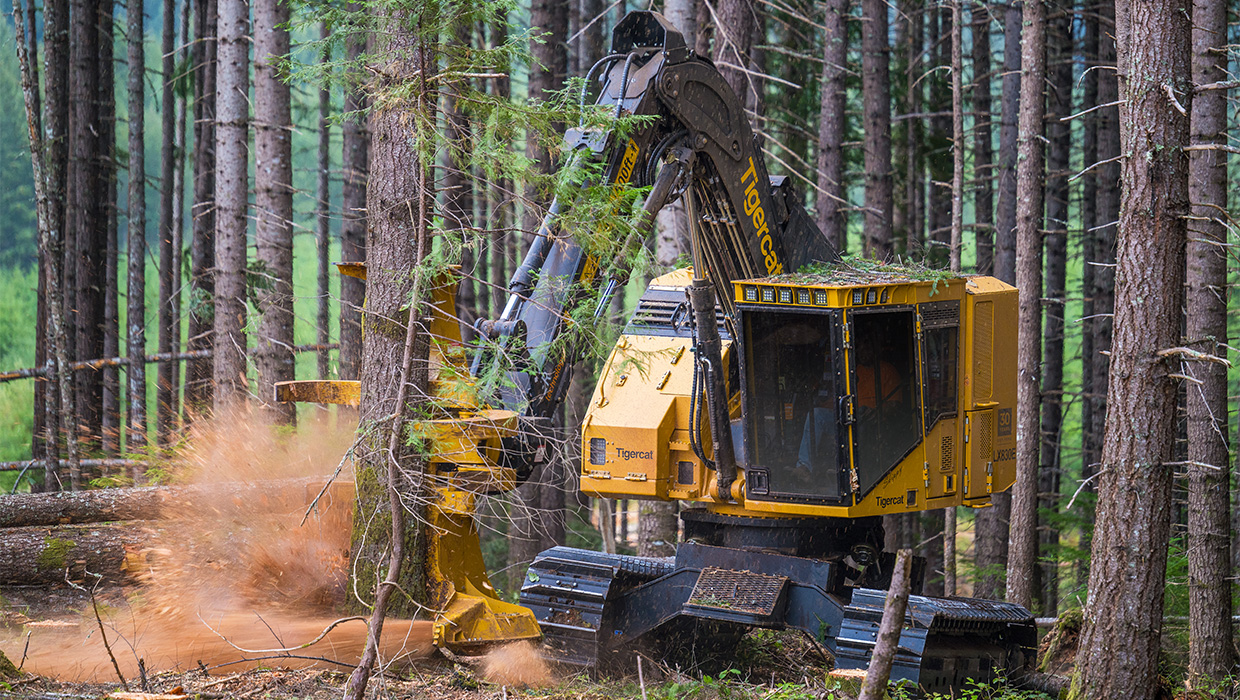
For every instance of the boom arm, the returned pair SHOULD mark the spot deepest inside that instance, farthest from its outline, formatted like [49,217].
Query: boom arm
[699,141]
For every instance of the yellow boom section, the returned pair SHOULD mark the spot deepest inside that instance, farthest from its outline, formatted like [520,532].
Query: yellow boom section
[464,462]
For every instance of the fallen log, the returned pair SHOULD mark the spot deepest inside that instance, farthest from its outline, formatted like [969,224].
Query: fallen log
[46,555]
[160,502]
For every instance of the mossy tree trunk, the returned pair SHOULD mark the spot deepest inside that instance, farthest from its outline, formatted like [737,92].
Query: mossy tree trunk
[399,201]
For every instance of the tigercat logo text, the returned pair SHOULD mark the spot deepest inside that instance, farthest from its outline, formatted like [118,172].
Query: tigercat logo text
[753,209]
[885,502]
[626,455]
[627,163]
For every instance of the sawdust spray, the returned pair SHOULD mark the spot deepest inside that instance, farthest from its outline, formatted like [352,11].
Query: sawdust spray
[519,665]
[234,579]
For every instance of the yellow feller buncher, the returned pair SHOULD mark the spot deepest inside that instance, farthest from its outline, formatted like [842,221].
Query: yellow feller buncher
[789,398]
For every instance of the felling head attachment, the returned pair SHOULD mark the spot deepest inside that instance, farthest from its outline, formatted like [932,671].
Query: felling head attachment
[640,30]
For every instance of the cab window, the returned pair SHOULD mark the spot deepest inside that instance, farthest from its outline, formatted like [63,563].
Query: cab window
[887,422]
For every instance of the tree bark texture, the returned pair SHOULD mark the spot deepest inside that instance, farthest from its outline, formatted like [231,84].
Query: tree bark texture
[162,502]
[733,27]
[458,187]
[1209,517]
[831,125]
[55,234]
[1059,105]
[135,289]
[323,221]
[110,426]
[983,150]
[1089,251]
[356,163]
[681,13]
[876,94]
[1105,230]
[548,69]
[398,202]
[169,273]
[1005,231]
[231,204]
[47,555]
[911,25]
[1123,615]
[1030,186]
[86,211]
[273,206]
[885,647]
[938,160]
[532,526]
[199,390]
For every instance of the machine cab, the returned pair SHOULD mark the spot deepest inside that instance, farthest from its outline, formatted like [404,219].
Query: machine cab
[852,382]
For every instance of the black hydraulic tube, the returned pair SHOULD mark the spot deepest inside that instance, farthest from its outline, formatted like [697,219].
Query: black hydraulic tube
[709,352]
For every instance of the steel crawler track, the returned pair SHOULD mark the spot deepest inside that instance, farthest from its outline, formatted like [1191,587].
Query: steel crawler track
[593,606]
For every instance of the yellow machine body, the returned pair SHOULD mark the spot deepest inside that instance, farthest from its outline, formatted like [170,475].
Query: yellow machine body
[954,341]
[465,453]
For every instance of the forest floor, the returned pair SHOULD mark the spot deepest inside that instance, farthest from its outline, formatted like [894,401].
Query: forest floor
[70,663]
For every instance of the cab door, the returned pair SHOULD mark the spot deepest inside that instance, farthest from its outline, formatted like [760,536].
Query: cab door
[939,338]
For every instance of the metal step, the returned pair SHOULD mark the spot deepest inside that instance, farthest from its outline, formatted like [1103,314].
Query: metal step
[737,596]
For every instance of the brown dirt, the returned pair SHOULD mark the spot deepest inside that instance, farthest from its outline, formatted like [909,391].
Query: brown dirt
[224,584]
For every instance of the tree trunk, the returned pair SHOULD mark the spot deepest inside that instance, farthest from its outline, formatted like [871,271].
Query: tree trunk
[458,186]
[47,555]
[198,387]
[323,221]
[1209,519]
[356,157]
[983,177]
[938,140]
[681,13]
[399,186]
[1124,613]
[928,531]
[888,641]
[733,23]
[911,28]
[29,66]
[135,289]
[231,205]
[48,159]
[169,273]
[86,243]
[163,502]
[991,525]
[176,309]
[957,242]
[541,498]
[548,70]
[832,125]
[110,425]
[1030,184]
[1089,254]
[876,92]
[500,201]
[1005,232]
[1106,220]
[1059,105]
[273,205]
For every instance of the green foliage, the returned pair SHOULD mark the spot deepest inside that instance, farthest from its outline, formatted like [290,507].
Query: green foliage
[977,690]
[18,232]
[18,287]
